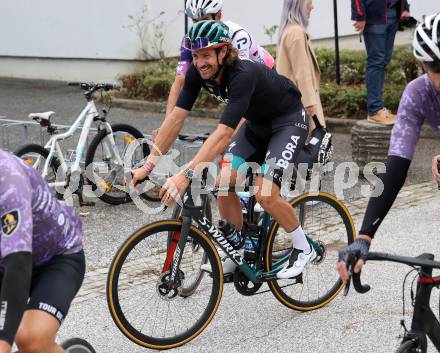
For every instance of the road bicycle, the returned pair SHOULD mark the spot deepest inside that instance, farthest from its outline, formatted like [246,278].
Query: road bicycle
[147,294]
[318,151]
[104,160]
[424,322]
[76,345]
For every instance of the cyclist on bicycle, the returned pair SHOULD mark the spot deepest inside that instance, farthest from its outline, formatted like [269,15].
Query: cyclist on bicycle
[200,10]
[274,132]
[420,102]
[41,259]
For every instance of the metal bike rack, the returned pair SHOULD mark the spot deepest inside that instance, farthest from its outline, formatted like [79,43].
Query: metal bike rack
[7,125]
[31,132]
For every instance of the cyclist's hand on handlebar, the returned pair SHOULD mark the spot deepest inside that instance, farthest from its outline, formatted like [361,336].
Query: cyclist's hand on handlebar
[139,175]
[435,168]
[358,249]
[173,188]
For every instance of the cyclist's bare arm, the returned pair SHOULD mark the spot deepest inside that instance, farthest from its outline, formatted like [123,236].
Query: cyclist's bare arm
[168,132]
[176,87]
[213,146]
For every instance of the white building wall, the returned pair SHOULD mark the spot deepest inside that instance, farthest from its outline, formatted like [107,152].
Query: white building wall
[98,30]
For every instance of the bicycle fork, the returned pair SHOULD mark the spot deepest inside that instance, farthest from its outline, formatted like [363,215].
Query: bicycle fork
[172,277]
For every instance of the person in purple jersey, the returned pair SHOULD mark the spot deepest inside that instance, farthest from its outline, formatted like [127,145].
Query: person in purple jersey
[42,263]
[420,103]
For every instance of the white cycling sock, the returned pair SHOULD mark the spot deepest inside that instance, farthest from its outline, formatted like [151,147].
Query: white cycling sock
[299,240]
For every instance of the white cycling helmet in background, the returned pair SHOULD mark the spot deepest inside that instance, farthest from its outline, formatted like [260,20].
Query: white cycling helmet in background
[196,9]
[426,42]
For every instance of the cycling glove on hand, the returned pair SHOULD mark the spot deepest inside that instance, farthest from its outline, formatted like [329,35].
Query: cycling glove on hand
[358,249]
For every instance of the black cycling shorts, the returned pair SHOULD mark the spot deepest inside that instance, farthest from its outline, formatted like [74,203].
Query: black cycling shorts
[271,147]
[55,284]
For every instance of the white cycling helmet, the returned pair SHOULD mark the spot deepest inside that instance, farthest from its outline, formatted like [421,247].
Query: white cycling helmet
[196,9]
[426,40]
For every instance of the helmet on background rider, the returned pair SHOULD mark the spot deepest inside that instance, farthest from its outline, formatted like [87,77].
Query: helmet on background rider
[207,34]
[426,42]
[196,9]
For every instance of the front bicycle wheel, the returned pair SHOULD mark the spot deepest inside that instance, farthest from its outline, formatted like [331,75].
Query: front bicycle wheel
[329,227]
[77,345]
[146,308]
[36,156]
[414,345]
[103,171]
[192,283]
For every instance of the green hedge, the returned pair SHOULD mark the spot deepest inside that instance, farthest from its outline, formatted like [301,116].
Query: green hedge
[347,100]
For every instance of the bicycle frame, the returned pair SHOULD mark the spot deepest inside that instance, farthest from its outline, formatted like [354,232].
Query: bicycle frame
[190,212]
[88,115]
[424,320]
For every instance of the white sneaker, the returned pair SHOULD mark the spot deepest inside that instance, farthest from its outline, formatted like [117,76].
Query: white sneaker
[227,264]
[297,261]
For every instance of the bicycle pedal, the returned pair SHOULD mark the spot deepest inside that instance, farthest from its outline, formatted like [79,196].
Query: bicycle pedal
[298,279]
[87,203]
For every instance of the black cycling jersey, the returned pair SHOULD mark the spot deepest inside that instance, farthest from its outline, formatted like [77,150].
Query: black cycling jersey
[249,89]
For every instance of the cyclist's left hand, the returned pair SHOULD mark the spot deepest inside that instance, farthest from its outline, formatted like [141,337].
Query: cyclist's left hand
[435,172]
[359,248]
[173,188]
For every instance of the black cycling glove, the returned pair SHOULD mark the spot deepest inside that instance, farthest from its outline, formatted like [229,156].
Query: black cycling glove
[358,249]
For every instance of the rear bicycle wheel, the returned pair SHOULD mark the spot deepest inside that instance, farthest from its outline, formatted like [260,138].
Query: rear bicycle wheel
[77,345]
[140,307]
[328,224]
[36,156]
[192,283]
[106,176]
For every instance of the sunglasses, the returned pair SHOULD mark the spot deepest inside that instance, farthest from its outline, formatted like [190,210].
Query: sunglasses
[196,44]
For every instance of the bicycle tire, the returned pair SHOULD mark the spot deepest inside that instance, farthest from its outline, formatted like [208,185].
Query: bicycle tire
[409,347]
[40,150]
[190,288]
[340,232]
[92,152]
[77,345]
[117,284]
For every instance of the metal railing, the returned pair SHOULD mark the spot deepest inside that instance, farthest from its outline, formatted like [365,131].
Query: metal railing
[15,133]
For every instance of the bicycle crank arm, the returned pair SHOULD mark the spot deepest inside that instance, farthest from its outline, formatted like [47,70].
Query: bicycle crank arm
[273,276]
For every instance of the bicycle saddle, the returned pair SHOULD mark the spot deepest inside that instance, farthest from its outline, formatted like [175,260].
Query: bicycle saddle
[41,116]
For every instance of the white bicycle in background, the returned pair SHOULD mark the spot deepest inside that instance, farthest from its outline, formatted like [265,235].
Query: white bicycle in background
[104,160]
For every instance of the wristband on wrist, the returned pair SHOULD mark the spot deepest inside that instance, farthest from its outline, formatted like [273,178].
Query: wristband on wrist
[148,167]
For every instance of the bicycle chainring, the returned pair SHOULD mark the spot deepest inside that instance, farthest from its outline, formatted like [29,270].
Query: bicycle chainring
[244,285]
[322,254]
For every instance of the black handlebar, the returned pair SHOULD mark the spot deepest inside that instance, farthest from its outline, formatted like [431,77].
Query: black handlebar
[193,138]
[423,260]
[93,87]
[360,288]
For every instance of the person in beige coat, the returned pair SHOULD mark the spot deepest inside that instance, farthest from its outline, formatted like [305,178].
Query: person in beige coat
[296,58]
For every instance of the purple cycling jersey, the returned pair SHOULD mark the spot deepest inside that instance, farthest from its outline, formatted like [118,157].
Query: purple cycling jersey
[420,102]
[31,218]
